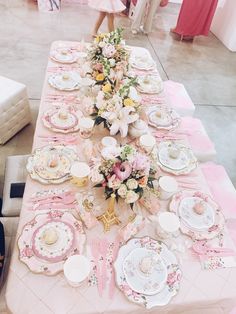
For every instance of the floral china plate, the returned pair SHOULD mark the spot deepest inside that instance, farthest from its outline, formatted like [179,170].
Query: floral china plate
[145,271]
[200,217]
[51,164]
[142,62]
[64,55]
[62,120]
[65,81]
[163,118]
[48,240]
[176,158]
[150,84]
[171,284]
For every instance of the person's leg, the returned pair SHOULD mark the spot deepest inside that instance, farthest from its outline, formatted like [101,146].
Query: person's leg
[99,22]
[154,4]
[110,20]
[138,14]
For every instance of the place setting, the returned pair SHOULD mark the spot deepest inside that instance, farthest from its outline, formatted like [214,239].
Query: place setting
[62,119]
[65,80]
[51,164]
[147,272]
[163,118]
[175,158]
[150,84]
[48,240]
[64,55]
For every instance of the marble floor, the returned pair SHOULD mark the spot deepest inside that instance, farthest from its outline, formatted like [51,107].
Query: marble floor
[204,66]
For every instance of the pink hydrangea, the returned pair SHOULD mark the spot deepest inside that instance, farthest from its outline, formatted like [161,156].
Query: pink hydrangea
[141,163]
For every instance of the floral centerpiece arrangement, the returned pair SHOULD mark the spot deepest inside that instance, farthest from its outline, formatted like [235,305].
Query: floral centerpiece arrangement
[117,110]
[126,175]
[109,58]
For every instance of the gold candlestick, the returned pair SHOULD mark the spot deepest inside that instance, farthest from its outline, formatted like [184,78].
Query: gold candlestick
[109,218]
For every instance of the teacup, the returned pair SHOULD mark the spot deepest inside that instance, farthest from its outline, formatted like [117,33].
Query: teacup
[147,142]
[168,186]
[80,173]
[108,141]
[86,127]
[76,270]
[167,225]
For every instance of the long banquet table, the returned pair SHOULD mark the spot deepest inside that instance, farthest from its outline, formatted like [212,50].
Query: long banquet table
[201,291]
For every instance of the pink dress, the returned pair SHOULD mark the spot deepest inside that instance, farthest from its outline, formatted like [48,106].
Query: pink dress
[109,6]
[195,17]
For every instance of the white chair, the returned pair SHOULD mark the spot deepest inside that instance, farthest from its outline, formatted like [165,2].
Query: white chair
[10,228]
[14,108]
[178,98]
[15,172]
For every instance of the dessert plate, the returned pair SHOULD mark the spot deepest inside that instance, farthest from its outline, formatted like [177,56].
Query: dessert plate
[145,271]
[45,252]
[53,240]
[64,55]
[51,164]
[170,286]
[62,120]
[210,222]
[175,158]
[163,118]
[197,213]
[65,81]
[150,84]
[142,62]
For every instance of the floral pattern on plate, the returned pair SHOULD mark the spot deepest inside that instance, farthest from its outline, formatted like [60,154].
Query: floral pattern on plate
[172,283]
[64,55]
[51,164]
[145,271]
[26,243]
[66,81]
[150,84]
[213,231]
[184,163]
[163,118]
[63,237]
[63,120]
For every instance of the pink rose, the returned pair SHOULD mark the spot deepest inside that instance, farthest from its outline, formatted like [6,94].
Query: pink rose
[109,51]
[122,170]
[114,182]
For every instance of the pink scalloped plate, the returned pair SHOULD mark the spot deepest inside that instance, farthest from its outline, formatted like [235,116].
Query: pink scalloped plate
[201,234]
[38,263]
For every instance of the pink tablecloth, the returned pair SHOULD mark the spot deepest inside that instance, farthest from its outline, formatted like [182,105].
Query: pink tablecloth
[208,292]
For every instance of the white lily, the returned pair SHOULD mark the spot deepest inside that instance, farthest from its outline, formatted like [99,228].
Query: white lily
[133,94]
[124,117]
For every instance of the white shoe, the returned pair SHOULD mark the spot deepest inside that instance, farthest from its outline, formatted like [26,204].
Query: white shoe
[134,31]
[143,30]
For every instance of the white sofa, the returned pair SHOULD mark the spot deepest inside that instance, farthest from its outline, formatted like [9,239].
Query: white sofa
[14,108]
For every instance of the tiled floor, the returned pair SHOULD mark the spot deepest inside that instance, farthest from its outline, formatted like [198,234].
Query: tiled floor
[205,67]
